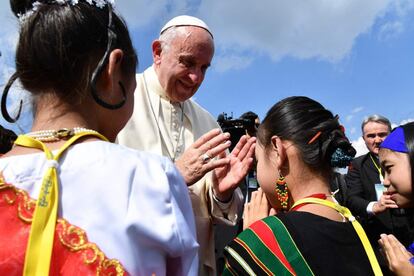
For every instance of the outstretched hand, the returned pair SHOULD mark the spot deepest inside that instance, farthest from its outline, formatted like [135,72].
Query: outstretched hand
[198,159]
[227,178]
[257,209]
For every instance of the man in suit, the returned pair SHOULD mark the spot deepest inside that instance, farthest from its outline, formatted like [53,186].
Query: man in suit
[367,197]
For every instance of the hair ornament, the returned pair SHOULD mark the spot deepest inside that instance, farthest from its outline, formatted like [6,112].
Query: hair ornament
[35,6]
[340,159]
[23,16]
[316,136]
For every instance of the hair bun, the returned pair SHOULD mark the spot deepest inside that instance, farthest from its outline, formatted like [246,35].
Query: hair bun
[21,6]
[341,150]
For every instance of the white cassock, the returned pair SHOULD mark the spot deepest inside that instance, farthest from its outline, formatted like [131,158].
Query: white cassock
[166,128]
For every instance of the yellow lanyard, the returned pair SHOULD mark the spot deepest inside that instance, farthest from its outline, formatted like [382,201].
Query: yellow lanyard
[358,228]
[378,169]
[40,244]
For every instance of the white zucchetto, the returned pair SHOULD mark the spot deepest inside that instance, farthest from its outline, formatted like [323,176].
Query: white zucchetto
[186,20]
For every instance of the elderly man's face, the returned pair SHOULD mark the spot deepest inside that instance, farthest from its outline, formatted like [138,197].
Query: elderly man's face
[181,67]
[374,134]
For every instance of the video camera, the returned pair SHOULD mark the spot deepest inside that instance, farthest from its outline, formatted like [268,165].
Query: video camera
[236,127]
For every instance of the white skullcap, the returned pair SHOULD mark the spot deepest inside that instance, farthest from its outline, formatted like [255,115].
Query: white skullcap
[185,20]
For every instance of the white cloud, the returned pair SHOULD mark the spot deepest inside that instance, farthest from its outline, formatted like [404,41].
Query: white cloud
[243,29]
[139,13]
[354,111]
[390,30]
[401,7]
[144,12]
[406,121]
[349,118]
[231,61]
[360,146]
[357,109]
[302,29]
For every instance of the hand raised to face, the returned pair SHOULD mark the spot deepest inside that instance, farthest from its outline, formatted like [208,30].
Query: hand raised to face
[258,208]
[385,202]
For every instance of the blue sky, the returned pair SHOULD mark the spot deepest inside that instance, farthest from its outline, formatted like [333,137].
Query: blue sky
[355,57]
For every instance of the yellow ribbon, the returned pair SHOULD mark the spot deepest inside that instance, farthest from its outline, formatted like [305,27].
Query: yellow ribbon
[357,226]
[378,169]
[40,244]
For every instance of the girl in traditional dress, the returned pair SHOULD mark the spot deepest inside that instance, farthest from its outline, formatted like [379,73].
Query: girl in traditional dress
[299,142]
[397,158]
[71,201]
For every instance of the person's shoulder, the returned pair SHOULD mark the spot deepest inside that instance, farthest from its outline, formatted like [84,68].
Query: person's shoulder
[124,155]
[139,77]
[360,160]
[196,106]
[271,222]
[357,161]
[145,157]
[199,111]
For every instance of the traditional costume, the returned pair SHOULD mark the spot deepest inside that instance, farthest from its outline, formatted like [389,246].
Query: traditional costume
[166,128]
[120,212]
[302,243]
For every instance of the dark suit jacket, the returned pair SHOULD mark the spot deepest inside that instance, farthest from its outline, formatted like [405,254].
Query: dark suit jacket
[361,179]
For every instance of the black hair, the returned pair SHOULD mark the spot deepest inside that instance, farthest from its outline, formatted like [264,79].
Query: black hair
[409,142]
[60,45]
[313,129]
[250,115]
[7,138]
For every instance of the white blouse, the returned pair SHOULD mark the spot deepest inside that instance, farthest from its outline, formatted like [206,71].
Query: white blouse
[134,205]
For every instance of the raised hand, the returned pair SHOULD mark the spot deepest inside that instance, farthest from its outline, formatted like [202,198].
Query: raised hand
[226,178]
[385,202]
[198,159]
[398,258]
[257,209]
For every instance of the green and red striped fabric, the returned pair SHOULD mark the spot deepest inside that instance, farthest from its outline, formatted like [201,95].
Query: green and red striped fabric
[265,248]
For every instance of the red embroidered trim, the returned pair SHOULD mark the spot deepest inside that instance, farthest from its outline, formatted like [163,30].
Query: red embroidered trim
[73,254]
